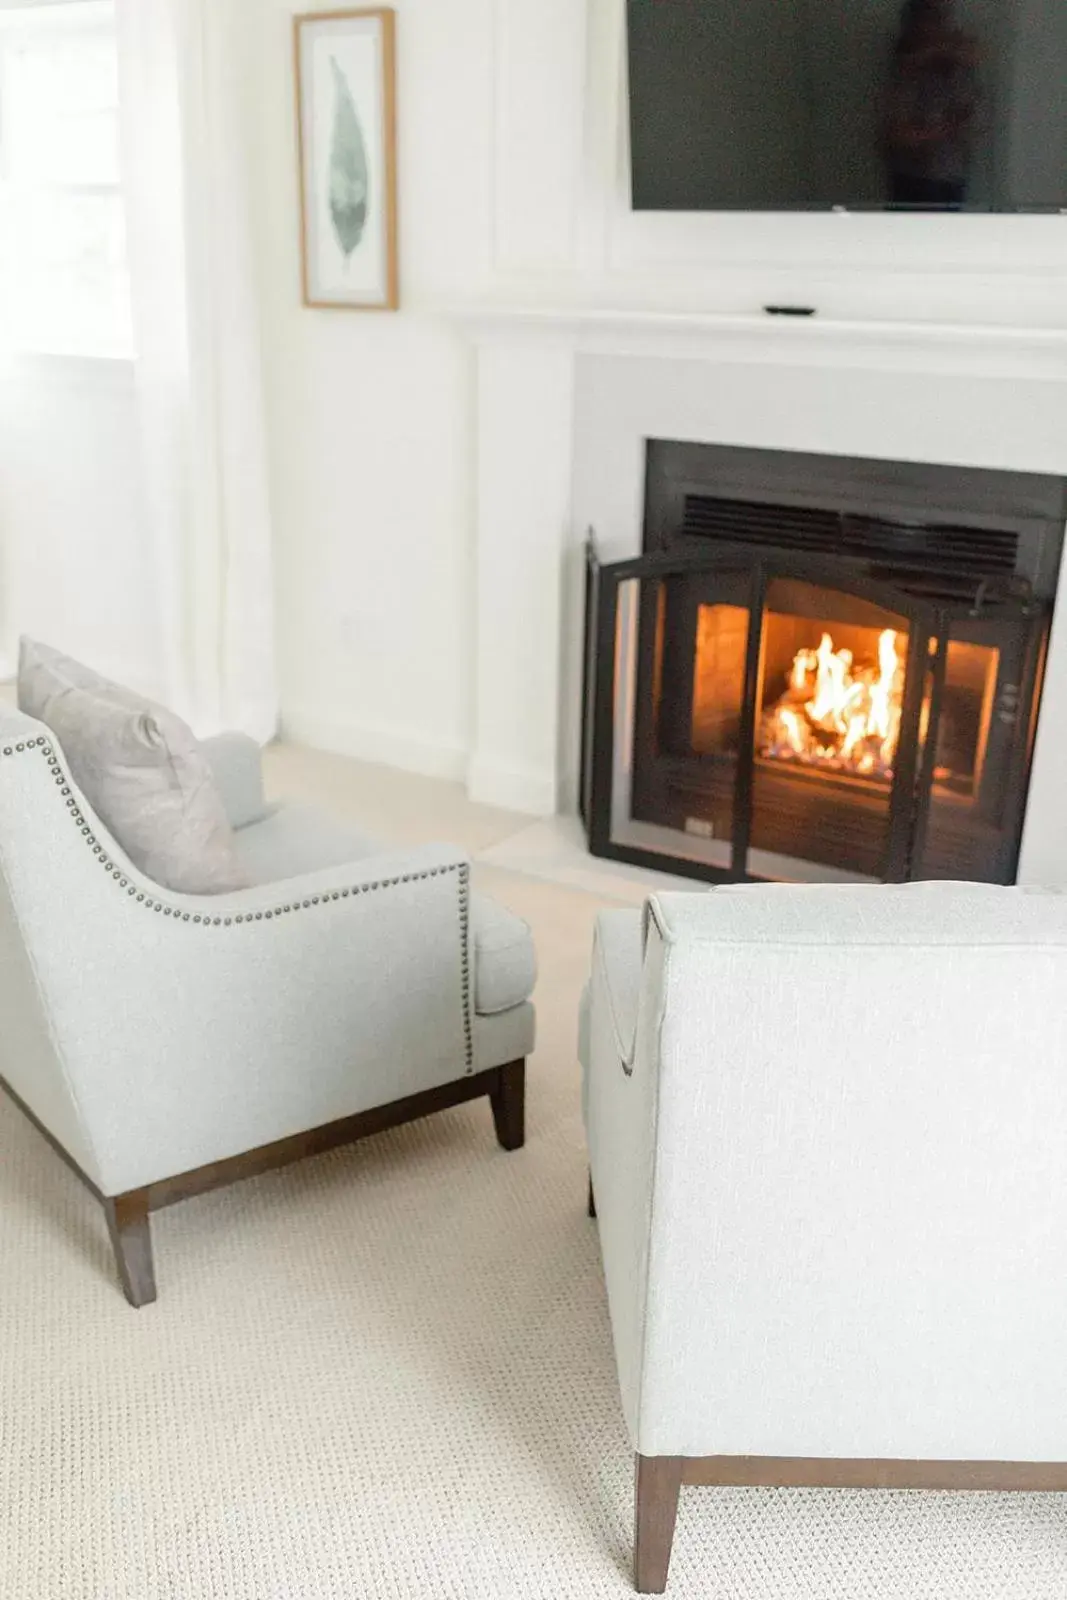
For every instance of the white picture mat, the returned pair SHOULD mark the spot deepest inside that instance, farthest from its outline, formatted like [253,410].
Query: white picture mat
[355,43]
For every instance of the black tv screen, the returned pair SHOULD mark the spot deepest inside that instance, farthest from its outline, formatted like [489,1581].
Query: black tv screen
[786,105]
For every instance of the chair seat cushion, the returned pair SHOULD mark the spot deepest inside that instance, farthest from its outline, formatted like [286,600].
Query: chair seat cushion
[294,839]
[505,964]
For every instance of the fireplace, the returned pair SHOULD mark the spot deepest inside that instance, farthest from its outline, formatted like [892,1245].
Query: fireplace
[819,669]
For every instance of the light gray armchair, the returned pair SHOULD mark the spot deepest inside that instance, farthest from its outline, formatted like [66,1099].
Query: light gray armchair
[168,1043]
[827,1133]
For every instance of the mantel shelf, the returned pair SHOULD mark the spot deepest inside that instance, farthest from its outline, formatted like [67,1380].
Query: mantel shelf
[988,349]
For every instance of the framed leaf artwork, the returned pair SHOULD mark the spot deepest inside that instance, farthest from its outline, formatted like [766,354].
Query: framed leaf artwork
[346,124]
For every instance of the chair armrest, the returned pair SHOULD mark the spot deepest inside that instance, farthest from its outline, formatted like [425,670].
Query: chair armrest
[236,763]
[177,1029]
[291,1004]
[618,955]
[621,1100]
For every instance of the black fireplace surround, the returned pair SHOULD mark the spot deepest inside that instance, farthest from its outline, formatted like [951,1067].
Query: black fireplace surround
[819,669]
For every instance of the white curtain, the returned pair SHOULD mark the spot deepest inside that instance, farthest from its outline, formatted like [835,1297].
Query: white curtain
[196,334]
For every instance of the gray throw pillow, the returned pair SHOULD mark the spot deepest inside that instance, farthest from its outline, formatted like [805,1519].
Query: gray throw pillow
[140,768]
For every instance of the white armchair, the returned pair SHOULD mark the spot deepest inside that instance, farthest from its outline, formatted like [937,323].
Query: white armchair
[828,1145]
[167,1043]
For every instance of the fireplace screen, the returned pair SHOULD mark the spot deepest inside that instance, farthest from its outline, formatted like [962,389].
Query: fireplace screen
[747,722]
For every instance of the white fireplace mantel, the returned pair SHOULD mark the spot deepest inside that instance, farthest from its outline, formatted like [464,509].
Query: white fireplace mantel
[569,394]
[991,349]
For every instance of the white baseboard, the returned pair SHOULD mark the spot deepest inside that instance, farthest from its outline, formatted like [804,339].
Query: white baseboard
[380,745]
[568,793]
[513,788]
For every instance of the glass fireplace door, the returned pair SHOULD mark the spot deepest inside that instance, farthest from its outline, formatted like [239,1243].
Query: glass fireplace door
[786,722]
[983,715]
[690,642]
[759,724]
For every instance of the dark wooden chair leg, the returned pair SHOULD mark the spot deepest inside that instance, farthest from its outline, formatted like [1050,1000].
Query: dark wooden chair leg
[591,1206]
[131,1240]
[657,1482]
[508,1100]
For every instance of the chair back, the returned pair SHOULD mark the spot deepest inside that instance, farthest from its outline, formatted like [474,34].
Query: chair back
[859,1179]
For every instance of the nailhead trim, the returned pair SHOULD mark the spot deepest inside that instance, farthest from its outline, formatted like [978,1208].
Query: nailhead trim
[464,936]
[461,870]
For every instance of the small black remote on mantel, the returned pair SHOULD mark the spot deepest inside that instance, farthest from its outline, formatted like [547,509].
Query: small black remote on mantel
[790,311]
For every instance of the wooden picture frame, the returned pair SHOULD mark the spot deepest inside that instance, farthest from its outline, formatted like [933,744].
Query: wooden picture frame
[345,68]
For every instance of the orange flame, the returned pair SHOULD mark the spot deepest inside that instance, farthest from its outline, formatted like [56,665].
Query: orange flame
[835,714]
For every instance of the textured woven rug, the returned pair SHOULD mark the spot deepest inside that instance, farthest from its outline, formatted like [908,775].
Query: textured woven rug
[388,1372]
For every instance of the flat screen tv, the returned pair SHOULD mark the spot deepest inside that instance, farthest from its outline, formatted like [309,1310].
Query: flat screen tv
[788,105]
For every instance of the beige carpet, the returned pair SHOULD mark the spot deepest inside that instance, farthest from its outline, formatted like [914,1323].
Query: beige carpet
[388,1372]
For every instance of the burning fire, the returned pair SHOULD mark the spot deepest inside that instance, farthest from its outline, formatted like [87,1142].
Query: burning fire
[835,714]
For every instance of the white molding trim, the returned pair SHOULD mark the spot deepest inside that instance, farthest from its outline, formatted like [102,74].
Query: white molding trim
[511,788]
[383,746]
[524,492]
[964,349]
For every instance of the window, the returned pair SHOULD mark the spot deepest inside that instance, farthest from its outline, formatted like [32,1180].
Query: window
[63,272]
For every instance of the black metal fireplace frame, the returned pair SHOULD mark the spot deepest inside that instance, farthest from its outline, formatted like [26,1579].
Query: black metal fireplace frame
[929,633]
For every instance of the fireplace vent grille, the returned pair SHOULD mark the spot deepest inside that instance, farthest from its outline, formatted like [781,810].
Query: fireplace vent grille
[933,550]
